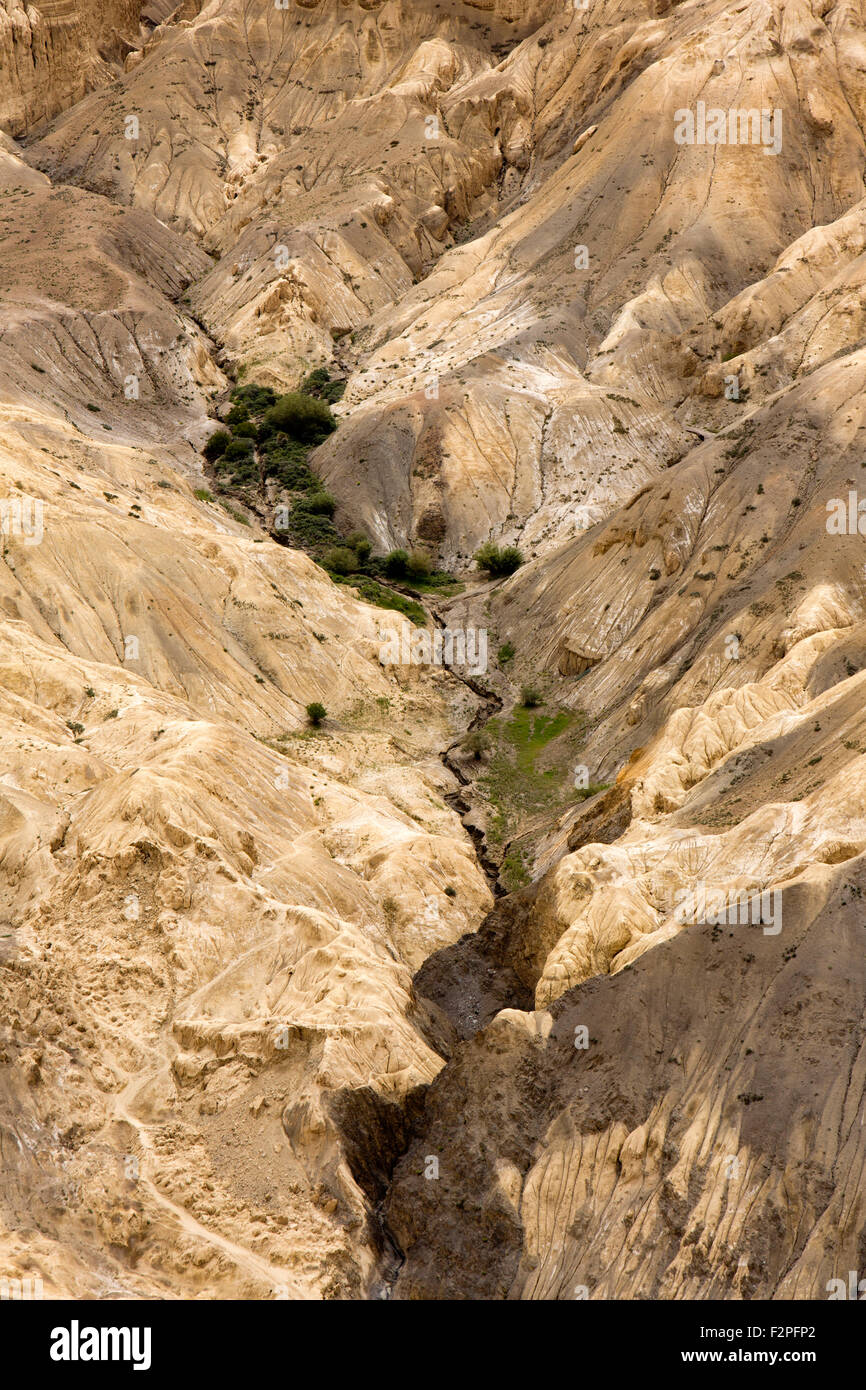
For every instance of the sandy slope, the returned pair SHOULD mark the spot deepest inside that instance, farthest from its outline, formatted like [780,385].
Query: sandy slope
[215,1050]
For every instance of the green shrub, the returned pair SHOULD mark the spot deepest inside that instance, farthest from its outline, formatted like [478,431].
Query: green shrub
[531,697]
[341,560]
[293,474]
[217,445]
[311,529]
[301,417]
[319,384]
[506,653]
[238,449]
[201,494]
[255,399]
[314,381]
[418,565]
[477,742]
[245,473]
[373,592]
[286,460]
[510,559]
[316,712]
[361,545]
[275,445]
[317,504]
[396,564]
[497,561]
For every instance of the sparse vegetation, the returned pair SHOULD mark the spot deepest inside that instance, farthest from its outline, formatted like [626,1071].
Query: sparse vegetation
[373,592]
[301,417]
[395,564]
[340,560]
[584,793]
[361,545]
[268,439]
[498,562]
[319,385]
[217,445]
[477,742]
[527,775]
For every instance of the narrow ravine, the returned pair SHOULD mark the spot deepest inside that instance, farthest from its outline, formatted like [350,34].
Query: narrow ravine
[392,1258]
[492,704]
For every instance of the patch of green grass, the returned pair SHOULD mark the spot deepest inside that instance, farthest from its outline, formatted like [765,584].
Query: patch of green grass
[438,582]
[584,793]
[529,774]
[375,593]
[513,871]
[529,732]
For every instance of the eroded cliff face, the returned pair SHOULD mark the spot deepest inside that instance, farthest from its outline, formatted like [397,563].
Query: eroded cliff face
[265,1033]
[210,915]
[698,1168]
[53,53]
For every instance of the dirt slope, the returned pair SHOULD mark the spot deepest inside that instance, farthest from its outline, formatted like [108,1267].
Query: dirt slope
[265,1033]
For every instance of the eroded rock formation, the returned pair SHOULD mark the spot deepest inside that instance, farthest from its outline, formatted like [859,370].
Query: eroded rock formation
[264,1031]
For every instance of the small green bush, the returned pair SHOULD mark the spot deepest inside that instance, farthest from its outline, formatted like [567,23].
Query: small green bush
[477,742]
[301,417]
[238,449]
[317,504]
[254,399]
[498,562]
[396,564]
[316,712]
[361,545]
[341,560]
[286,460]
[531,697]
[417,565]
[217,445]
[309,529]
[314,381]
[319,384]
[506,653]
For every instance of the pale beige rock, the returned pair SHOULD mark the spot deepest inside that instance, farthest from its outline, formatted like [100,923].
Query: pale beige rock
[640,361]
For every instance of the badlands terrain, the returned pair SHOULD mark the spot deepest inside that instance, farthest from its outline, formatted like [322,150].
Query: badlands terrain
[433,997]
